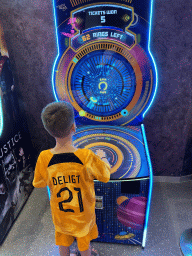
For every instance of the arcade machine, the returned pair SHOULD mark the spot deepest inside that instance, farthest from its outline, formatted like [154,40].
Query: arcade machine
[16,171]
[105,69]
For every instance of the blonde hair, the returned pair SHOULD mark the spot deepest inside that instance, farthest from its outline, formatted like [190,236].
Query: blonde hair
[58,118]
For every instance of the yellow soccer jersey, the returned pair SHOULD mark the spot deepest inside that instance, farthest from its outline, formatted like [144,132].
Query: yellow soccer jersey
[70,177]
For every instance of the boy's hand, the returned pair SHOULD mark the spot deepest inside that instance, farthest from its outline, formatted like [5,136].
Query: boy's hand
[100,153]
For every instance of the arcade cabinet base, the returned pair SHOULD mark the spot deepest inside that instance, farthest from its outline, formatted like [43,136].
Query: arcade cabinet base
[120,211]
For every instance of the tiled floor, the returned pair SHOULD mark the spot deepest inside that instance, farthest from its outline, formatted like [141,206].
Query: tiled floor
[171,214]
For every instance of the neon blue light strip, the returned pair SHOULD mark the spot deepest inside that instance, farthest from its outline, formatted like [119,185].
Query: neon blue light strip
[49,193]
[150,187]
[149,43]
[58,52]
[1,117]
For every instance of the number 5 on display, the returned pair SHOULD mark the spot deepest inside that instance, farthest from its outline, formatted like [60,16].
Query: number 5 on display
[103,19]
[70,199]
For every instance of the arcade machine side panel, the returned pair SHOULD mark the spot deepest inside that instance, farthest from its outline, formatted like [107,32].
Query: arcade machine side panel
[16,171]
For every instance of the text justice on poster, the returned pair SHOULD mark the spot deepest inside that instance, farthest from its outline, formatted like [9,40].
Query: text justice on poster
[10,144]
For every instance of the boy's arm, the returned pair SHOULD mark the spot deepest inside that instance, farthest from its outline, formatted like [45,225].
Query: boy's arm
[97,168]
[38,180]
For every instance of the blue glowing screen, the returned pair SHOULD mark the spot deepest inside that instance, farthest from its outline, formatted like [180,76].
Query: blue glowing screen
[103,83]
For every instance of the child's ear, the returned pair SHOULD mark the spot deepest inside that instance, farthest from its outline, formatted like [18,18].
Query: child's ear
[74,127]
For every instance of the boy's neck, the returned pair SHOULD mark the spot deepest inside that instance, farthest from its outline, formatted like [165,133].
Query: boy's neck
[63,145]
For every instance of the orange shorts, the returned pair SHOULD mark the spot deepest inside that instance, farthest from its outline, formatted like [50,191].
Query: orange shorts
[82,242]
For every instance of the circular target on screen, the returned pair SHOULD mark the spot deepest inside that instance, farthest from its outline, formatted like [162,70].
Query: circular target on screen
[103,83]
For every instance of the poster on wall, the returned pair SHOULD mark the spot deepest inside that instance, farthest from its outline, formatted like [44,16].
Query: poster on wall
[16,171]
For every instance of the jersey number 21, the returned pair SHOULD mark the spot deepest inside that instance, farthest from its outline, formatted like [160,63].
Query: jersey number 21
[70,199]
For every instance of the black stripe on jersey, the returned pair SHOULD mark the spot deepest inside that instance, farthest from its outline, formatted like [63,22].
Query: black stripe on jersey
[64,158]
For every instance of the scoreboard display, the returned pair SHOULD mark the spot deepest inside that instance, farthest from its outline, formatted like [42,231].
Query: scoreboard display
[106,70]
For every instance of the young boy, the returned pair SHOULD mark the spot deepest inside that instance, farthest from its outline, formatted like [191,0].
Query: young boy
[69,172]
